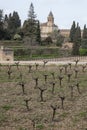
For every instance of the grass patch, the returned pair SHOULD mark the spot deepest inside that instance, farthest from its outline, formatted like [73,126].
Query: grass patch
[40,126]
[83,114]
[3,118]
[65,114]
[21,128]
[7,107]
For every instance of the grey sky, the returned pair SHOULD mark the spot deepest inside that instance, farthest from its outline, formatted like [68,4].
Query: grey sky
[64,11]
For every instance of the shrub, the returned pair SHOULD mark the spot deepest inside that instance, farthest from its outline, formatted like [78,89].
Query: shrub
[17,37]
[83,52]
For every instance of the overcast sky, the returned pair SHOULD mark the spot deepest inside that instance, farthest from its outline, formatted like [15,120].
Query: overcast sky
[64,11]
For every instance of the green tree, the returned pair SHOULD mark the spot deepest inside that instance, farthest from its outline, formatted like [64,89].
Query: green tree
[1,15]
[4,33]
[77,41]
[7,35]
[1,25]
[57,38]
[48,40]
[72,31]
[38,33]
[25,28]
[14,23]
[30,25]
[17,20]
[84,38]
[60,40]
[55,34]
[20,32]
[6,21]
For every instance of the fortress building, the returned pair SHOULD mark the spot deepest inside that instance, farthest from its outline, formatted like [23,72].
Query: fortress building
[48,27]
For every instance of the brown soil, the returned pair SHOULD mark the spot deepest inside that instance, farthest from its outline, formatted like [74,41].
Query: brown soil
[13,111]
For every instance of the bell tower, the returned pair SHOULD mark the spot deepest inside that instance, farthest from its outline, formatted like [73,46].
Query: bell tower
[50,19]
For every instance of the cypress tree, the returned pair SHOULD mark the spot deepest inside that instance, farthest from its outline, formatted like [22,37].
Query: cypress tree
[38,33]
[5,21]
[1,15]
[72,32]
[1,25]
[84,38]
[77,41]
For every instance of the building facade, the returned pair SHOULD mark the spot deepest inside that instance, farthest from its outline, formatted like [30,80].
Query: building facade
[48,27]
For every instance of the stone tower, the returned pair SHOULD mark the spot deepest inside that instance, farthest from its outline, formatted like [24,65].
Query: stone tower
[48,27]
[50,19]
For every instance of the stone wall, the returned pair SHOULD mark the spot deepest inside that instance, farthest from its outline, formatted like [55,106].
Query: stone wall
[6,54]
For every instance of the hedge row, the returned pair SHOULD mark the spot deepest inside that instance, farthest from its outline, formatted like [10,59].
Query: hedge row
[31,53]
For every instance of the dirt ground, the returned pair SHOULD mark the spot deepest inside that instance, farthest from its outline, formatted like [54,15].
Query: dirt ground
[38,115]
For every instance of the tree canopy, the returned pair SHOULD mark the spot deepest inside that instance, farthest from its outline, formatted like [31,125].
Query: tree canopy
[76,41]
[84,37]
[72,31]
[31,27]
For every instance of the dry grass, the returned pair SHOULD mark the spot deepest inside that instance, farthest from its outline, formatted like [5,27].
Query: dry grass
[13,111]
